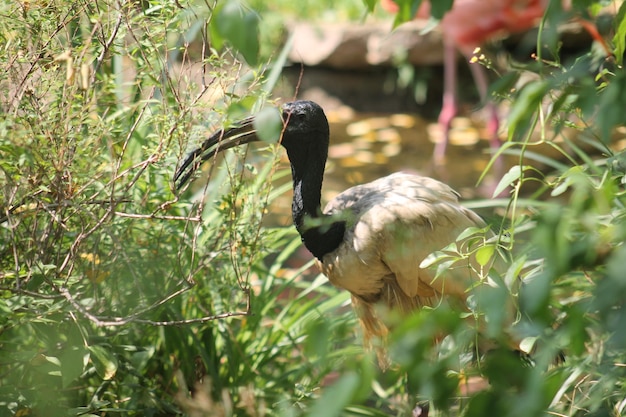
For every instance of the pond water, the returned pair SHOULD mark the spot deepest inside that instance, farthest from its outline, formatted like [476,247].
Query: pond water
[367,146]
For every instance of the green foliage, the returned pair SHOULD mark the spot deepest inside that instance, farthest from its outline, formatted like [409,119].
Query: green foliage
[240,26]
[564,224]
[116,297]
[619,40]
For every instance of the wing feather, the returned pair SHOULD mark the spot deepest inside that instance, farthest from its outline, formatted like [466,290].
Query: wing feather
[397,221]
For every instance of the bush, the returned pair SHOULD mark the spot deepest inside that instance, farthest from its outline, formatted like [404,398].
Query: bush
[116,296]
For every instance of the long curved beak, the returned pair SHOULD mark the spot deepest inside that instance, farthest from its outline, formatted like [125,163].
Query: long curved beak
[243,132]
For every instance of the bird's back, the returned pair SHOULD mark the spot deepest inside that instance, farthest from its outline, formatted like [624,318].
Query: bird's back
[394,223]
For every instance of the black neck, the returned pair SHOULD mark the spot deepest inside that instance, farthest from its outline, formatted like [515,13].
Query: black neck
[320,233]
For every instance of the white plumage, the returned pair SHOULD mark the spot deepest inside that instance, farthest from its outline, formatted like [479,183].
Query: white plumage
[394,223]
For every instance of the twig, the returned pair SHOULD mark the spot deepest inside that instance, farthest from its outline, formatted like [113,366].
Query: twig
[122,321]
[156,217]
[31,293]
[106,46]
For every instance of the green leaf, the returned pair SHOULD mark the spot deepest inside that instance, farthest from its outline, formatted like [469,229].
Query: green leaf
[470,232]
[140,359]
[513,175]
[406,11]
[72,364]
[335,398]
[560,189]
[514,271]
[439,8]
[239,26]
[619,40]
[438,256]
[317,339]
[268,124]
[105,361]
[485,254]
[526,105]
[611,107]
[570,177]
[528,344]
[370,4]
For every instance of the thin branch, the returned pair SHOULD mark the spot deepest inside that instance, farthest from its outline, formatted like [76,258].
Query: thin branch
[33,294]
[157,217]
[122,321]
[106,46]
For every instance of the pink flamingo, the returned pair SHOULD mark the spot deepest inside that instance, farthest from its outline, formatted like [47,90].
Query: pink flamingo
[466,26]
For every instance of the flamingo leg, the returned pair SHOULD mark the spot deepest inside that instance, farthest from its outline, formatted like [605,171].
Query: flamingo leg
[449,105]
[493,124]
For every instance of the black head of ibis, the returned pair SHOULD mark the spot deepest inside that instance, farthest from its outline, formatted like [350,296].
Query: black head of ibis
[305,136]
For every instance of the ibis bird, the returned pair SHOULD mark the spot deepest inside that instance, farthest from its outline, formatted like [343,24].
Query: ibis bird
[371,239]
